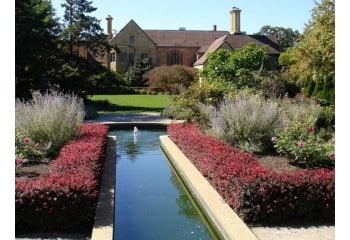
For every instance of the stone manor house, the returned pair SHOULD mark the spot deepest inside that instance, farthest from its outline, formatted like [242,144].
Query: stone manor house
[182,47]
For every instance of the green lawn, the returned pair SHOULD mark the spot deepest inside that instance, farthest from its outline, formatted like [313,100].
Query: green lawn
[130,103]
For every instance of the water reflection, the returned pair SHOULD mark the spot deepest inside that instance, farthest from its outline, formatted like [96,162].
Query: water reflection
[150,201]
[183,201]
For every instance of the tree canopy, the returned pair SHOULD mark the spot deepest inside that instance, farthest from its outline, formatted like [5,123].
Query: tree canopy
[311,63]
[81,29]
[44,49]
[286,37]
[236,67]
[36,43]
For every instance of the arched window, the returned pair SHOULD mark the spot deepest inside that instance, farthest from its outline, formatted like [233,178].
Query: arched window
[174,57]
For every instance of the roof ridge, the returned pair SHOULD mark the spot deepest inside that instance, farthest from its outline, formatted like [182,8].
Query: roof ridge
[187,30]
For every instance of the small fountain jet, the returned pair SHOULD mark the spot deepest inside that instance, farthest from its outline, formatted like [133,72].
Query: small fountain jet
[136,130]
[135,134]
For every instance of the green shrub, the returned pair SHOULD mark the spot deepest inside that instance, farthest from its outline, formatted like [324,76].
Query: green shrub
[237,67]
[106,82]
[133,77]
[186,104]
[50,118]
[326,117]
[245,121]
[171,79]
[307,138]
[298,108]
[275,85]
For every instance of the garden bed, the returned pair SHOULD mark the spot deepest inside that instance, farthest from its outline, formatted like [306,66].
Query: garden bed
[35,169]
[277,163]
[254,188]
[62,196]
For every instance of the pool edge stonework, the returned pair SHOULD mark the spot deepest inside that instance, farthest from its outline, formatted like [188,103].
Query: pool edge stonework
[104,216]
[226,220]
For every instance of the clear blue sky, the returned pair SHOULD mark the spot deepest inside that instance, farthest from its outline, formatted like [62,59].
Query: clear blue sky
[201,14]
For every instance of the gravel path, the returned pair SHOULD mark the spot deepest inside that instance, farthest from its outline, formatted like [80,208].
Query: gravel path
[295,233]
[130,117]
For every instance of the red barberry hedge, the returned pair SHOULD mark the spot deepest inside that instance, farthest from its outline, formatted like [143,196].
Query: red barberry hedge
[65,198]
[256,193]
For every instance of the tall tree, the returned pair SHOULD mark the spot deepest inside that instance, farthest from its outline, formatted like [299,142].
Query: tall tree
[286,37]
[36,44]
[81,29]
[312,60]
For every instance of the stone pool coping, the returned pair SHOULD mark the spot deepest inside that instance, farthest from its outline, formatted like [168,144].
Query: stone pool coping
[226,220]
[104,215]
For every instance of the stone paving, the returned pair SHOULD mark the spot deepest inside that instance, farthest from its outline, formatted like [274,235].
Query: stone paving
[148,117]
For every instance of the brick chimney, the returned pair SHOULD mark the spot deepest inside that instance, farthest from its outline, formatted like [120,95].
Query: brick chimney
[235,20]
[214,28]
[109,27]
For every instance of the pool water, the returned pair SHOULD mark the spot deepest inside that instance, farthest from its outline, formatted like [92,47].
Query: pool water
[150,203]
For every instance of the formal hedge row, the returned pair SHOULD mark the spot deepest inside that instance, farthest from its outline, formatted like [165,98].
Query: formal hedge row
[65,199]
[256,193]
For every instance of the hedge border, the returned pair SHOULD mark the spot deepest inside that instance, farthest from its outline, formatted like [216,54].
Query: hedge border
[65,199]
[256,193]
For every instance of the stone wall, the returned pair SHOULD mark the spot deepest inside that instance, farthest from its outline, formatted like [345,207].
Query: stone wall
[133,43]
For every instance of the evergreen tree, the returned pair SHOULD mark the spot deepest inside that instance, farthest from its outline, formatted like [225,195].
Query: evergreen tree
[134,75]
[81,29]
[36,45]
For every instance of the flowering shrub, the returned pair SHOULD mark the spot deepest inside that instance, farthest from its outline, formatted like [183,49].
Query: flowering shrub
[28,150]
[256,193]
[65,198]
[300,143]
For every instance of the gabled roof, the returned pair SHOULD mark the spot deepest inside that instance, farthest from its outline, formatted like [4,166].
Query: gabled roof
[184,38]
[203,49]
[130,24]
[212,48]
[238,41]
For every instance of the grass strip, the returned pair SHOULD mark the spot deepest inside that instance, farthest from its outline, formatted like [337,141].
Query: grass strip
[130,103]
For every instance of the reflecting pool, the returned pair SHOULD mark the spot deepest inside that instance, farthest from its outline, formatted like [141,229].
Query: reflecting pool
[150,202]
